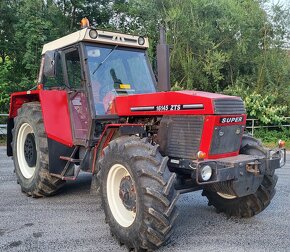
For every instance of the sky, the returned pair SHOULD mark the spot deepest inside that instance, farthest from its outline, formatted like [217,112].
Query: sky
[286,3]
[269,3]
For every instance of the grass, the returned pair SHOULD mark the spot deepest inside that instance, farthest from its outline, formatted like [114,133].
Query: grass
[273,145]
[2,140]
[270,138]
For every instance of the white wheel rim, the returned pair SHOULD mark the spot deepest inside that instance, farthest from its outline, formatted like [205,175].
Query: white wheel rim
[121,214]
[25,169]
[226,196]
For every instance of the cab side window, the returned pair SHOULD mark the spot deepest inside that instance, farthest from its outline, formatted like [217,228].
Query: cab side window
[73,66]
[58,79]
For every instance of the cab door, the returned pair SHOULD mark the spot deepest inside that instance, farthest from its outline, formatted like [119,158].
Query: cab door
[77,98]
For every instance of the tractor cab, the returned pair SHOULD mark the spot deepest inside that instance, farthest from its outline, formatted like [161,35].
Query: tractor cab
[94,67]
[104,63]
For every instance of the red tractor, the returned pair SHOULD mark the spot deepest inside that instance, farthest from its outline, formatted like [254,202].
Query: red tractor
[97,109]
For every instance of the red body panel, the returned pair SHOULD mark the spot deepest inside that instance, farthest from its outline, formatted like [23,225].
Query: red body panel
[57,121]
[123,104]
[17,99]
[210,122]
[123,107]
[56,117]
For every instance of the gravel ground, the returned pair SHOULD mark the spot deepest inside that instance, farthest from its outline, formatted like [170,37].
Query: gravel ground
[74,221]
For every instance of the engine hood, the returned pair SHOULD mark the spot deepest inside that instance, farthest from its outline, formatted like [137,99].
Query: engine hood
[177,103]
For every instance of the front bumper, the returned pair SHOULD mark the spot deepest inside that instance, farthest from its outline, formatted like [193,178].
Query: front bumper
[244,172]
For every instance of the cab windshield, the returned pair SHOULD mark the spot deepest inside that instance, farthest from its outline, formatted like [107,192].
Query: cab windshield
[117,71]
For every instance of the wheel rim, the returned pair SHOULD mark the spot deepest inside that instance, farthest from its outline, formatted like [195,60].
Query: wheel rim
[26,151]
[121,195]
[226,196]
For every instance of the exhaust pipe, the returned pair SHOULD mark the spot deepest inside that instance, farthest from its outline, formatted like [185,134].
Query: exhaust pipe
[163,64]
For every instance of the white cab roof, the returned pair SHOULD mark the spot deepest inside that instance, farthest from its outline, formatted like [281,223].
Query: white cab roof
[104,37]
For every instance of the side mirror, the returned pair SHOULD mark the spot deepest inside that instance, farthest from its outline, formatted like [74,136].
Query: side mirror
[50,63]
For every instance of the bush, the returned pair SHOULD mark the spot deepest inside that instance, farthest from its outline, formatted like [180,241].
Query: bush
[2,140]
[270,137]
[264,107]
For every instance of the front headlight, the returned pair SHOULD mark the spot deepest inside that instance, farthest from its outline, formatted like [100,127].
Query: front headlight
[141,40]
[205,172]
[93,34]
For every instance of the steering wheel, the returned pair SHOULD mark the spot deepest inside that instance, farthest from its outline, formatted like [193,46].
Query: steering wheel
[108,99]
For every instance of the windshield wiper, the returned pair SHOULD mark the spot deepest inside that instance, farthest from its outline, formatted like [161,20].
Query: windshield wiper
[101,63]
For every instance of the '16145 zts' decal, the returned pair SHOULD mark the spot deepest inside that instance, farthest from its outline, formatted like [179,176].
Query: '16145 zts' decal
[168,107]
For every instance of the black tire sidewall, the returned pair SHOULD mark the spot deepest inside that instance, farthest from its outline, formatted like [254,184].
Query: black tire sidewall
[252,204]
[27,184]
[155,193]
[120,231]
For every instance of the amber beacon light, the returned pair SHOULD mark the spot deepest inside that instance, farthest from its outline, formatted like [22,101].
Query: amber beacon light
[85,23]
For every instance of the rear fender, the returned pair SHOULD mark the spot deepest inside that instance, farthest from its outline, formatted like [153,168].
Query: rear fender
[16,101]
[55,112]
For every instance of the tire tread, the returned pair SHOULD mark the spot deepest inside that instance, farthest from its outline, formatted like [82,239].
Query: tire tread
[45,184]
[157,185]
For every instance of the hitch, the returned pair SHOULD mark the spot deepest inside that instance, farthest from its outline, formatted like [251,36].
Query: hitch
[253,167]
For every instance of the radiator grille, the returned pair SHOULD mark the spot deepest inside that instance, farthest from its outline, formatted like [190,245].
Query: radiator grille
[229,106]
[180,135]
[225,139]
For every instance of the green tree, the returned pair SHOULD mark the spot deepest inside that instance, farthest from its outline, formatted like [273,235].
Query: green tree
[7,19]
[217,45]
[26,25]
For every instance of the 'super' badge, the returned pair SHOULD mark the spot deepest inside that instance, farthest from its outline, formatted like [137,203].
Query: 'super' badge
[234,119]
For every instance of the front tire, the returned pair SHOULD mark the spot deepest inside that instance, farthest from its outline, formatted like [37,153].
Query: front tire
[252,204]
[30,153]
[138,193]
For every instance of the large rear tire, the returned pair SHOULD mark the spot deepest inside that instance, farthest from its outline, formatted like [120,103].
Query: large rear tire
[138,193]
[252,204]
[30,153]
